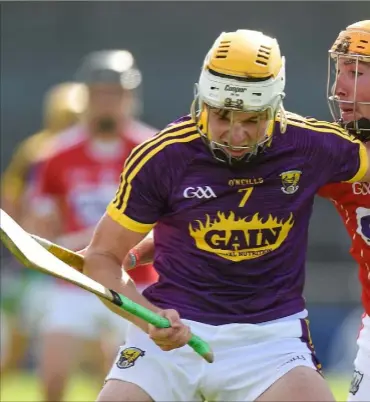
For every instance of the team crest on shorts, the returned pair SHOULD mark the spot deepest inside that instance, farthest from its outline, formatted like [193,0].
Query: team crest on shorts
[290,180]
[356,381]
[128,357]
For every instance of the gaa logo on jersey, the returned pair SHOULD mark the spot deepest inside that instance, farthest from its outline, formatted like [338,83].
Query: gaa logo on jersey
[199,192]
[128,357]
[289,181]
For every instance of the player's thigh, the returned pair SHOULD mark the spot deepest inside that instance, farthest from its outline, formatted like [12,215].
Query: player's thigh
[121,391]
[260,357]
[299,384]
[360,387]
[164,376]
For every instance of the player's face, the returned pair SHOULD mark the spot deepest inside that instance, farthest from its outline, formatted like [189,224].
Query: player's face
[352,87]
[237,129]
[109,105]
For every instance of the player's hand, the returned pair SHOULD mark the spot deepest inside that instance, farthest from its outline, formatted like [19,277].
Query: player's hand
[174,337]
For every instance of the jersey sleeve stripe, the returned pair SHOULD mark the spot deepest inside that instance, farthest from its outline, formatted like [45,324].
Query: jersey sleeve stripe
[178,130]
[141,148]
[170,129]
[148,149]
[364,164]
[127,179]
[128,176]
[127,222]
[323,127]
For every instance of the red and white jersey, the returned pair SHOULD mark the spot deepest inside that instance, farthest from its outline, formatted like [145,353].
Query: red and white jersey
[352,201]
[81,178]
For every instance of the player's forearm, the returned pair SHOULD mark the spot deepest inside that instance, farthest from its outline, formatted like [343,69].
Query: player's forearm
[107,271]
[141,254]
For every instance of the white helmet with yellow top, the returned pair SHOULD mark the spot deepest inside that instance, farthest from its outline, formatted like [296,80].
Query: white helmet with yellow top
[243,72]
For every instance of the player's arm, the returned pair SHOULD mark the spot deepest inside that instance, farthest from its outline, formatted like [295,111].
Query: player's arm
[363,172]
[103,262]
[332,191]
[132,214]
[141,254]
[346,158]
[366,178]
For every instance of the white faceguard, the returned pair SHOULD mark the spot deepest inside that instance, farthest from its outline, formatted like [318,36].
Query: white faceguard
[360,128]
[351,47]
[234,94]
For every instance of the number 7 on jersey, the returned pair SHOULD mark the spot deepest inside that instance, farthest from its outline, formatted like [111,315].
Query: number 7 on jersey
[247,193]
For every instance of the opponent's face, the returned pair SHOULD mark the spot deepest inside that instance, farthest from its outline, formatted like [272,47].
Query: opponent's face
[108,107]
[353,88]
[238,132]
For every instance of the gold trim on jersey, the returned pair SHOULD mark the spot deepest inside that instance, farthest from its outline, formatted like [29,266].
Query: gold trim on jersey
[127,222]
[169,132]
[138,158]
[327,127]
[319,126]
[364,165]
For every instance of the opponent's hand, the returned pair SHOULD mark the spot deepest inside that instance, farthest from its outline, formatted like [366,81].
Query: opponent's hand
[174,337]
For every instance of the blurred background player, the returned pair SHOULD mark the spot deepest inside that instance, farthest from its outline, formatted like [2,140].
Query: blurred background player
[74,186]
[62,107]
[349,100]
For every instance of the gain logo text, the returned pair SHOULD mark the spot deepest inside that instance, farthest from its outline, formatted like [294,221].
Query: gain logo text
[238,239]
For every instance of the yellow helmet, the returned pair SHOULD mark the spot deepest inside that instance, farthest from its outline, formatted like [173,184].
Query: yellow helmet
[242,72]
[352,44]
[63,106]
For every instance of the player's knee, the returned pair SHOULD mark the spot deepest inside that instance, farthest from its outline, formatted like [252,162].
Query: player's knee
[121,391]
[299,384]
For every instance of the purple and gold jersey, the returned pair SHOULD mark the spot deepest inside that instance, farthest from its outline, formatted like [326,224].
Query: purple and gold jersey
[230,243]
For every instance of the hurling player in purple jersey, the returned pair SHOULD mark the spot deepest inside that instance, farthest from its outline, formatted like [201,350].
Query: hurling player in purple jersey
[229,191]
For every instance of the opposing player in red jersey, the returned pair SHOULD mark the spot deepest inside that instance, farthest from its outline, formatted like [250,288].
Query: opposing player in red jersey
[349,100]
[74,186]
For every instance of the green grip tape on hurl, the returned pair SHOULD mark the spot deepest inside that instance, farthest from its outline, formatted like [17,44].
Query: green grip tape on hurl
[198,344]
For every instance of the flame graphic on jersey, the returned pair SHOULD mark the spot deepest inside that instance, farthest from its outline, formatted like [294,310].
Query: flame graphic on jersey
[239,239]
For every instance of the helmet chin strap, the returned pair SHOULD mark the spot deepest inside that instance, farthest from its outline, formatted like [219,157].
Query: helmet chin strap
[360,128]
